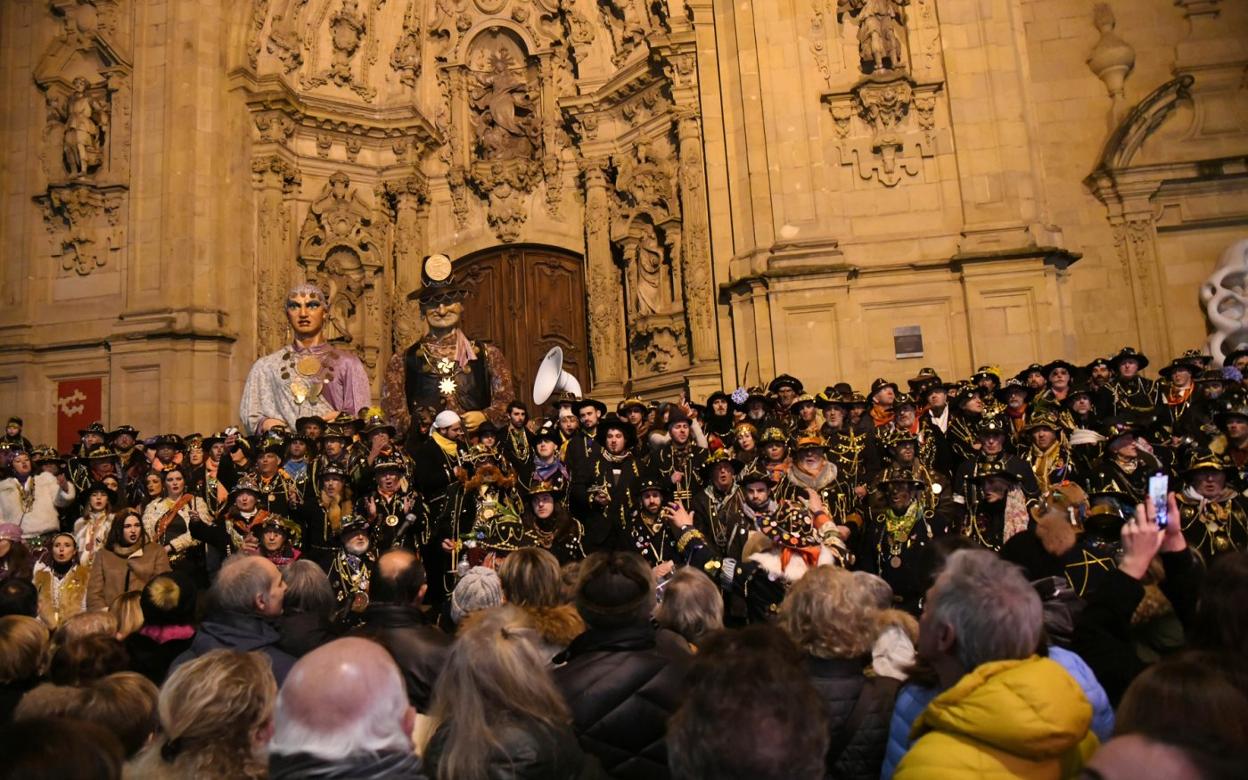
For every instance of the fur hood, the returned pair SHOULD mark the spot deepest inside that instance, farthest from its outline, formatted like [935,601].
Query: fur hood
[556,625]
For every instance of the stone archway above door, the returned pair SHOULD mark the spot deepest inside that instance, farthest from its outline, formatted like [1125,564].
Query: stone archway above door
[527,299]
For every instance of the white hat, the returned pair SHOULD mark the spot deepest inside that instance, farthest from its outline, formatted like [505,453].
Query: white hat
[445,419]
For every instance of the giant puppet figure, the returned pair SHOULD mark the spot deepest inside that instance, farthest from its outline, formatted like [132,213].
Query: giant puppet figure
[445,369]
[308,377]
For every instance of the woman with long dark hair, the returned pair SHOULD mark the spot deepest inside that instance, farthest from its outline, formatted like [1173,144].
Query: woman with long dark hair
[127,562]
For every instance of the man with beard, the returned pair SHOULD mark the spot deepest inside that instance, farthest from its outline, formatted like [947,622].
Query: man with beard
[717,506]
[335,451]
[784,389]
[1047,453]
[600,496]
[991,436]
[804,417]
[680,460]
[1100,373]
[476,498]
[897,535]
[1065,539]
[664,533]
[633,410]
[812,481]
[89,438]
[298,456]
[1197,423]
[131,462]
[581,451]
[1126,463]
[378,439]
[242,512]
[324,507]
[903,457]
[352,569]
[1034,378]
[1214,517]
[396,514]
[548,525]
[996,505]
[905,423]
[544,465]
[934,398]
[1013,398]
[516,441]
[1232,440]
[1131,392]
[278,493]
[759,408]
[719,419]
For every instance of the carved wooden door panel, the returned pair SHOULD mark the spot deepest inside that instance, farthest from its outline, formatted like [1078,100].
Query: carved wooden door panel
[527,300]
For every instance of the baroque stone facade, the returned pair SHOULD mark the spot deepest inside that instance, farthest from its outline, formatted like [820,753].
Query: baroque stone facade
[753,188]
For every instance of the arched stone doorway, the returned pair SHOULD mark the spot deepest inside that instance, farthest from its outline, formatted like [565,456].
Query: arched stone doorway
[527,299]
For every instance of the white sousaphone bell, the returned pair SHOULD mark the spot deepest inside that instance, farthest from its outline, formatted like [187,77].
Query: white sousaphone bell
[551,378]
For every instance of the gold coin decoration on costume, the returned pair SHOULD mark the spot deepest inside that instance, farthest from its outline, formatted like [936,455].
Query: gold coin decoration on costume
[438,268]
[308,365]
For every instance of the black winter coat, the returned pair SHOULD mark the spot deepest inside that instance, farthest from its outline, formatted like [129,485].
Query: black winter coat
[622,687]
[841,683]
[528,751]
[151,658]
[419,649]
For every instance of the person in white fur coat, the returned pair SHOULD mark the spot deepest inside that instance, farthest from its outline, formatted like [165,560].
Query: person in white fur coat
[31,500]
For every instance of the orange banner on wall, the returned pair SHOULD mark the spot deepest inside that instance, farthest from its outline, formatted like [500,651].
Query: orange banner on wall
[78,404]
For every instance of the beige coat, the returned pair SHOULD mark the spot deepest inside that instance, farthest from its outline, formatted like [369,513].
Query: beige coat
[113,574]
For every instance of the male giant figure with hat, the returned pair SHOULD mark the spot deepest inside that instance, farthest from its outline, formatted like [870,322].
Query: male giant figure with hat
[444,369]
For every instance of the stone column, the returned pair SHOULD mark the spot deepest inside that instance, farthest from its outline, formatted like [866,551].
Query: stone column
[405,198]
[275,181]
[602,282]
[696,243]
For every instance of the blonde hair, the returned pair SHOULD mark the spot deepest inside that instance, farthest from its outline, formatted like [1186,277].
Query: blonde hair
[125,704]
[494,674]
[828,615]
[23,647]
[210,710]
[692,605]
[531,578]
[86,624]
[125,608]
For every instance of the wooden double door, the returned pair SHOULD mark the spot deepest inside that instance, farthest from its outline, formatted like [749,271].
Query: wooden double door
[527,299]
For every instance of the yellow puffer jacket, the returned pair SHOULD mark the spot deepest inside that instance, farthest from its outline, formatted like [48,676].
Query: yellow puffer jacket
[1025,719]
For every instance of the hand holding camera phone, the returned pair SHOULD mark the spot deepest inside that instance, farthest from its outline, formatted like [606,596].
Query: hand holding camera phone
[1158,490]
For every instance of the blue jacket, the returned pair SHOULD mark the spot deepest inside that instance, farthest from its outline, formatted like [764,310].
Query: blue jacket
[242,632]
[913,699]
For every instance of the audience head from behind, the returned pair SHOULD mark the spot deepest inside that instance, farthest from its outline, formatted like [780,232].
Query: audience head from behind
[128,610]
[23,642]
[168,600]
[307,589]
[1195,696]
[216,714]
[692,605]
[614,590]
[86,624]
[478,589]
[531,577]
[1139,756]
[400,579]
[84,660]
[980,609]
[125,703]
[343,711]
[19,597]
[1220,622]
[495,701]
[750,712]
[59,749]
[250,584]
[828,615]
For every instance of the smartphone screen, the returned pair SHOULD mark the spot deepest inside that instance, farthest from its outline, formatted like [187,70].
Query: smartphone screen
[1158,485]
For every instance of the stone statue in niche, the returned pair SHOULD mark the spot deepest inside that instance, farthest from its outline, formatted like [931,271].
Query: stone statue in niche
[86,121]
[342,277]
[881,30]
[504,115]
[649,277]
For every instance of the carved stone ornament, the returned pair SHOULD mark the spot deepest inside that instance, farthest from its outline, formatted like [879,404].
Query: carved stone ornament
[348,28]
[85,78]
[898,127]
[84,225]
[1112,60]
[881,32]
[405,59]
[657,344]
[341,248]
[1225,296]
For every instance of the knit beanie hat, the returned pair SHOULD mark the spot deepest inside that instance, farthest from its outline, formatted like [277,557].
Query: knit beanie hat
[614,590]
[480,588]
[168,600]
[445,419]
[11,531]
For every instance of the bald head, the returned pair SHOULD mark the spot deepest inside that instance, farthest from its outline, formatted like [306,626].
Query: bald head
[249,583]
[343,698]
[400,579]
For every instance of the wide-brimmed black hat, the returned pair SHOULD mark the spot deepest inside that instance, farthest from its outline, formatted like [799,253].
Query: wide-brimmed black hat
[1181,364]
[616,424]
[577,406]
[881,383]
[718,457]
[1059,363]
[96,427]
[785,380]
[168,440]
[1034,368]
[1009,388]
[1128,353]
[548,432]
[652,482]
[352,525]
[124,429]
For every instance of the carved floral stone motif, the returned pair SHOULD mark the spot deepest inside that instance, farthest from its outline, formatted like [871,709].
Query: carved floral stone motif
[84,225]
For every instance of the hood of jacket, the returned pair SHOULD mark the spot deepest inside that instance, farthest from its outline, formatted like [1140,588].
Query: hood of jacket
[557,625]
[236,631]
[1031,708]
[363,766]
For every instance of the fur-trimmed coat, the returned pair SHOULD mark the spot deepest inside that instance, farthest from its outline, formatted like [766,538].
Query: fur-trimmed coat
[556,627]
[42,516]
